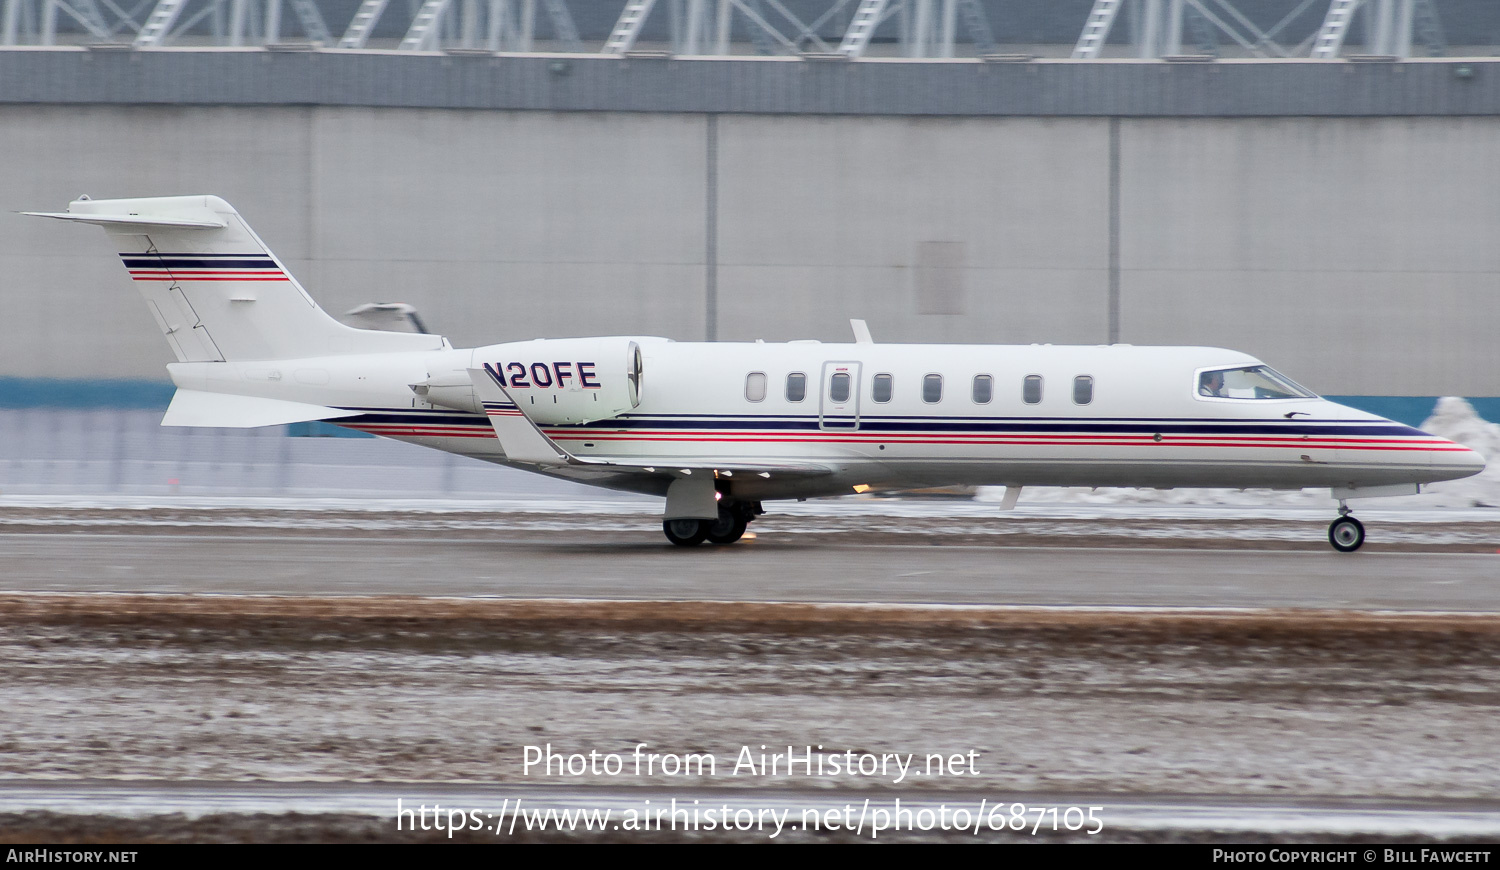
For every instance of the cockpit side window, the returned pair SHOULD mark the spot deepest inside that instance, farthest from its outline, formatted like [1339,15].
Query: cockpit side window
[1249,382]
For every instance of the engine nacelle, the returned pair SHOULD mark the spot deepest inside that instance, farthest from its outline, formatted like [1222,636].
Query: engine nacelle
[568,380]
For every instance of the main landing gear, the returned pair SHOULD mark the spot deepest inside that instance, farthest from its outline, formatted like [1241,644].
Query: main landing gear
[1345,533]
[728,528]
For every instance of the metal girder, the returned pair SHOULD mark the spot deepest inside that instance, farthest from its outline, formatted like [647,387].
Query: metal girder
[1252,46]
[1151,29]
[1096,28]
[87,14]
[762,33]
[362,24]
[471,21]
[694,28]
[562,24]
[978,26]
[312,21]
[507,32]
[239,18]
[1428,28]
[159,22]
[628,27]
[1391,25]
[1335,27]
[862,26]
[919,33]
[12,25]
[422,35]
[1262,37]
[1204,35]
[125,19]
[1380,27]
[804,31]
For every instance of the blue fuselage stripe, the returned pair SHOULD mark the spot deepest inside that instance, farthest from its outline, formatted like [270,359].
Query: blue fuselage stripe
[933,424]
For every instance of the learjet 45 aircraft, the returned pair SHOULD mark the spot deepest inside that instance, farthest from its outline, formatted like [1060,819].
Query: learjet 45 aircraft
[719,428]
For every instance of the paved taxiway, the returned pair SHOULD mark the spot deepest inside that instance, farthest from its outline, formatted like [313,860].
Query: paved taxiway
[808,568]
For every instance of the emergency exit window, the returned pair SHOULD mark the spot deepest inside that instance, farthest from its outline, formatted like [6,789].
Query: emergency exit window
[838,387]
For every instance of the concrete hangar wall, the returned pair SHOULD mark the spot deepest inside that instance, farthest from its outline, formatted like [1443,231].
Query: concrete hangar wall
[1337,219]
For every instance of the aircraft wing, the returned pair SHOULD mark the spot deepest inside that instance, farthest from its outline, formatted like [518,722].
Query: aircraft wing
[524,441]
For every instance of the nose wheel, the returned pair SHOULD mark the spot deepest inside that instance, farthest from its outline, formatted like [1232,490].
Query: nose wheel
[1346,533]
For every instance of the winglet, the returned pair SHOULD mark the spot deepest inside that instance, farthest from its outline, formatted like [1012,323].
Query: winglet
[520,438]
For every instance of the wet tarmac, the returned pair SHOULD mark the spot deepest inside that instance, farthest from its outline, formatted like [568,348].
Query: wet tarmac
[910,568]
[1270,694]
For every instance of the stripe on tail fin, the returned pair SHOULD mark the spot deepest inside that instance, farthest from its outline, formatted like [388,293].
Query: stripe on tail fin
[215,289]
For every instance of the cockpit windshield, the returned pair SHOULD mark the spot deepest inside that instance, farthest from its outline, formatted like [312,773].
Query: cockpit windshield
[1250,382]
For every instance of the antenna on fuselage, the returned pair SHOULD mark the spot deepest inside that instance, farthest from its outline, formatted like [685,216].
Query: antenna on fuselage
[861,332]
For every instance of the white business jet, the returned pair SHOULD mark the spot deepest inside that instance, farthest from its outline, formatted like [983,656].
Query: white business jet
[718,428]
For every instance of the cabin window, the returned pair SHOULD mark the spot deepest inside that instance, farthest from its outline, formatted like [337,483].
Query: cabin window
[796,387]
[932,389]
[755,386]
[1031,390]
[1250,382]
[881,389]
[1083,390]
[984,388]
[838,387]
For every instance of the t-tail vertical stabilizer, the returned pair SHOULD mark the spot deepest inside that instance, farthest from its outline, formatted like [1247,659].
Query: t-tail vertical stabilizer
[216,290]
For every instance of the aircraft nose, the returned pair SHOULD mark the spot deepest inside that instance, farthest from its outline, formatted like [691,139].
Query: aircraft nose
[1461,462]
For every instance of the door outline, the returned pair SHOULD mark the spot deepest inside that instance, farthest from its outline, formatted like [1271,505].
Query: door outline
[843,416]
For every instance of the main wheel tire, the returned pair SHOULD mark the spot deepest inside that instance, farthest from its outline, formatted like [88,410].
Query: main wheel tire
[686,533]
[1346,534]
[728,528]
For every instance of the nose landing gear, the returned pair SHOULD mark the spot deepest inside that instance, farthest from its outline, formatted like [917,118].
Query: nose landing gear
[1346,533]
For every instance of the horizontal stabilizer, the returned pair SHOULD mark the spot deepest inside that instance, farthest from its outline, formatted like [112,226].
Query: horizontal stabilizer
[198,408]
[144,222]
